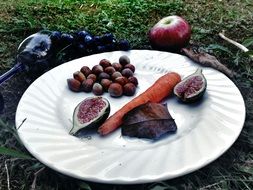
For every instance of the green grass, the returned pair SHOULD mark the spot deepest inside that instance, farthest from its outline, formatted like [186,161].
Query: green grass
[130,20]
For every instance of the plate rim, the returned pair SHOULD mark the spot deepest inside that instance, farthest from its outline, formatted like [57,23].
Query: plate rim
[124,180]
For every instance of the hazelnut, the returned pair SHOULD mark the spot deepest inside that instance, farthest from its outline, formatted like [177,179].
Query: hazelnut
[129,89]
[127,72]
[130,66]
[105,63]
[115,90]
[123,60]
[97,69]
[109,70]
[105,83]
[78,75]
[103,75]
[85,70]
[87,85]
[133,80]
[116,75]
[74,84]
[92,76]
[97,89]
[117,66]
[121,80]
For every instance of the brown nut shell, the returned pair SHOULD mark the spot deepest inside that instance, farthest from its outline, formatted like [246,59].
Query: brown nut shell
[85,70]
[103,75]
[127,72]
[92,76]
[97,69]
[97,89]
[105,84]
[110,70]
[117,66]
[87,85]
[74,84]
[105,63]
[133,80]
[115,90]
[130,66]
[123,60]
[121,80]
[129,89]
[116,75]
[78,75]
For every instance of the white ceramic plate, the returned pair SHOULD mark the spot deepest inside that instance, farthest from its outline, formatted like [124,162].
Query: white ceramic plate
[205,129]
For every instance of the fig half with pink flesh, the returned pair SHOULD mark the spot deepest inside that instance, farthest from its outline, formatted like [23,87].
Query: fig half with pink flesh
[192,87]
[90,113]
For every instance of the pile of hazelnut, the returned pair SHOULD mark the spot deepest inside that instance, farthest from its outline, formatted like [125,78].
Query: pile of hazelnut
[115,78]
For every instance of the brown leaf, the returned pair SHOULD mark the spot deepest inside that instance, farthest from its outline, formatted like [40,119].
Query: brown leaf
[150,120]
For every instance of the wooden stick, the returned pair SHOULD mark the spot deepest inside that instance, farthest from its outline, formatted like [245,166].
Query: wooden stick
[7,175]
[240,46]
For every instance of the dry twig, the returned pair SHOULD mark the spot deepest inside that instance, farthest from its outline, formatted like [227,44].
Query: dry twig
[207,60]
[7,175]
[238,45]
[33,187]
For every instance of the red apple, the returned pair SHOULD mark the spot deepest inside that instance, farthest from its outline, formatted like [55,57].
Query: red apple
[170,34]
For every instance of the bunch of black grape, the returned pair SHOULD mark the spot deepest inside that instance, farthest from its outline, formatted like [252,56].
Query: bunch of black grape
[81,43]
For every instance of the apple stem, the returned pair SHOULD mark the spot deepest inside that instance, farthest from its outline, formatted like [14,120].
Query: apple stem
[240,46]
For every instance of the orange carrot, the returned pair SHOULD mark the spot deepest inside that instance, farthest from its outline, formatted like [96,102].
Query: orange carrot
[155,93]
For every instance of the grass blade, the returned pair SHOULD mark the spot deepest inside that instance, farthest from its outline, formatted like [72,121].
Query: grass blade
[13,153]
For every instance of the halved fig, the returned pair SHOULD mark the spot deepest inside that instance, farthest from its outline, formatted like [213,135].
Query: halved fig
[90,113]
[192,87]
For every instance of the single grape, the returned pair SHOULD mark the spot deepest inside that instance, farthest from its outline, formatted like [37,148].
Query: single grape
[67,38]
[55,36]
[124,45]
[97,40]
[109,47]
[107,38]
[81,47]
[89,40]
[81,35]
[101,49]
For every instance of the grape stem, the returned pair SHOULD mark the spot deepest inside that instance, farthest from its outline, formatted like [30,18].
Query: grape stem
[15,69]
